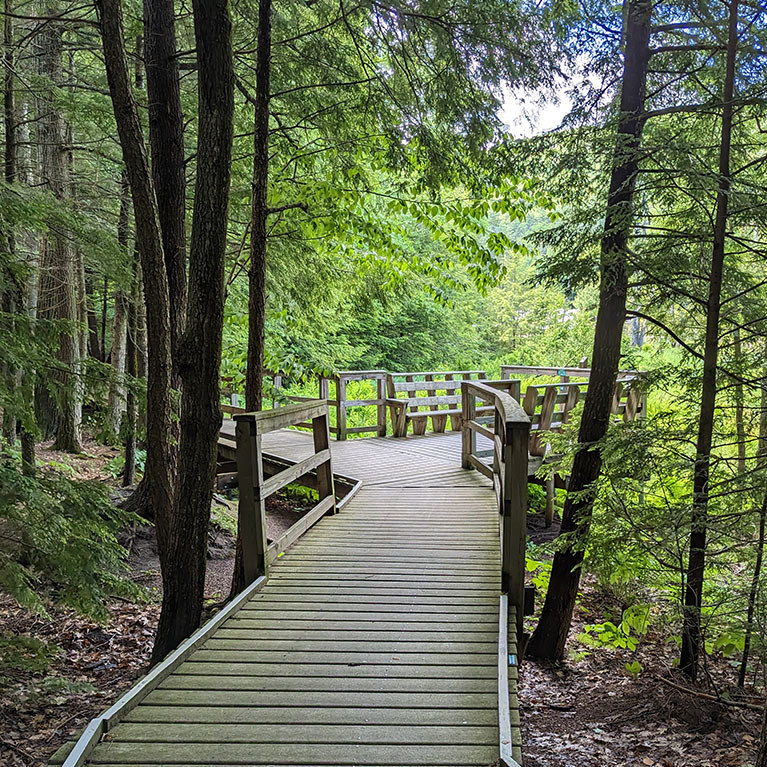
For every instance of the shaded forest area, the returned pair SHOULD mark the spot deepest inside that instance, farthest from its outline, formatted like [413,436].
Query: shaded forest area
[195,194]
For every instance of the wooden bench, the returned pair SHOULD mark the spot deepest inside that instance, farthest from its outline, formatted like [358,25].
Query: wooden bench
[435,395]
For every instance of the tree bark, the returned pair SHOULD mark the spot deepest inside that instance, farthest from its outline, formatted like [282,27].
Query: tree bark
[59,408]
[550,636]
[94,349]
[200,351]
[149,242]
[259,213]
[131,368]
[117,392]
[12,300]
[740,409]
[166,143]
[693,596]
[761,757]
[166,139]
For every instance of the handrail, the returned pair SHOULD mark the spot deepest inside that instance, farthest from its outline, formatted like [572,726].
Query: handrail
[509,435]
[254,488]
[564,373]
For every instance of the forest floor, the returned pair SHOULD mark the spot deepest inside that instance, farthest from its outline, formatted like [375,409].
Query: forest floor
[589,711]
[586,712]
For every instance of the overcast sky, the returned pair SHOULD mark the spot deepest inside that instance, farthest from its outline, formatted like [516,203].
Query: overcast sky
[527,114]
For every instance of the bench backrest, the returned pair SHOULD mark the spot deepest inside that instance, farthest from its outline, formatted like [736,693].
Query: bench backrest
[549,406]
[430,389]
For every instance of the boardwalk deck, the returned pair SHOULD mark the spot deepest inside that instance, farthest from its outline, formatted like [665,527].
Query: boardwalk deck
[374,641]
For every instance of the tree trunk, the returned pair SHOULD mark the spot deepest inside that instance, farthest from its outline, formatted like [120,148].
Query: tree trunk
[94,349]
[131,368]
[28,241]
[60,408]
[740,410]
[166,138]
[761,460]
[166,142]
[693,596]
[550,635]
[761,757]
[254,376]
[12,300]
[149,242]
[117,394]
[183,569]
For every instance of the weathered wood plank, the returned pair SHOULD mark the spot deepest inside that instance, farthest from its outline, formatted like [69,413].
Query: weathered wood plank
[338,671]
[310,733]
[322,699]
[289,754]
[241,681]
[324,656]
[310,644]
[454,717]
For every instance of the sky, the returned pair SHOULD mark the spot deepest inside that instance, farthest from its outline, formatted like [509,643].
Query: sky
[529,113]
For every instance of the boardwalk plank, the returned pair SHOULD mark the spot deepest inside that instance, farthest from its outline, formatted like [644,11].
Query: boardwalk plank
[118,753]
[455,717]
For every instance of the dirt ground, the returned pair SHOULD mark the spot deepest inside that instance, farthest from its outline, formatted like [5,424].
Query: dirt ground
[590,712]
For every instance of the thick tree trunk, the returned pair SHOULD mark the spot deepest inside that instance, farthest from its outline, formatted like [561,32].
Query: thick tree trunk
[693,596]
[254,376]
[166,139]
[28,241]
[149,241]
[166,142]
[550,635]
[199,358]
[60,410]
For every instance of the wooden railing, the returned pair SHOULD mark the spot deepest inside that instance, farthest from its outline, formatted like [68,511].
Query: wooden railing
[255,488]
[509,436]
[342,404]
[564,374]
[336,399]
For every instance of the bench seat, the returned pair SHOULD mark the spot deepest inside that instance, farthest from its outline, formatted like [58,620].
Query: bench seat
[415,409]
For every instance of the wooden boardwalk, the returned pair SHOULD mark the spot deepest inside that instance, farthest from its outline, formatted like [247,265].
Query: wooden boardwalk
[374,641]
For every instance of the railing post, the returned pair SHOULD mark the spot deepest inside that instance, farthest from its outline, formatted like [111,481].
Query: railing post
[341,407]
[514,511]
[321,436]
[468,436]
[381,407]
[251,510]
[515,389]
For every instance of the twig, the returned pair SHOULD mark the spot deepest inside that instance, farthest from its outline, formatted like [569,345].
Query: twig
[21,751]
[707,696]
